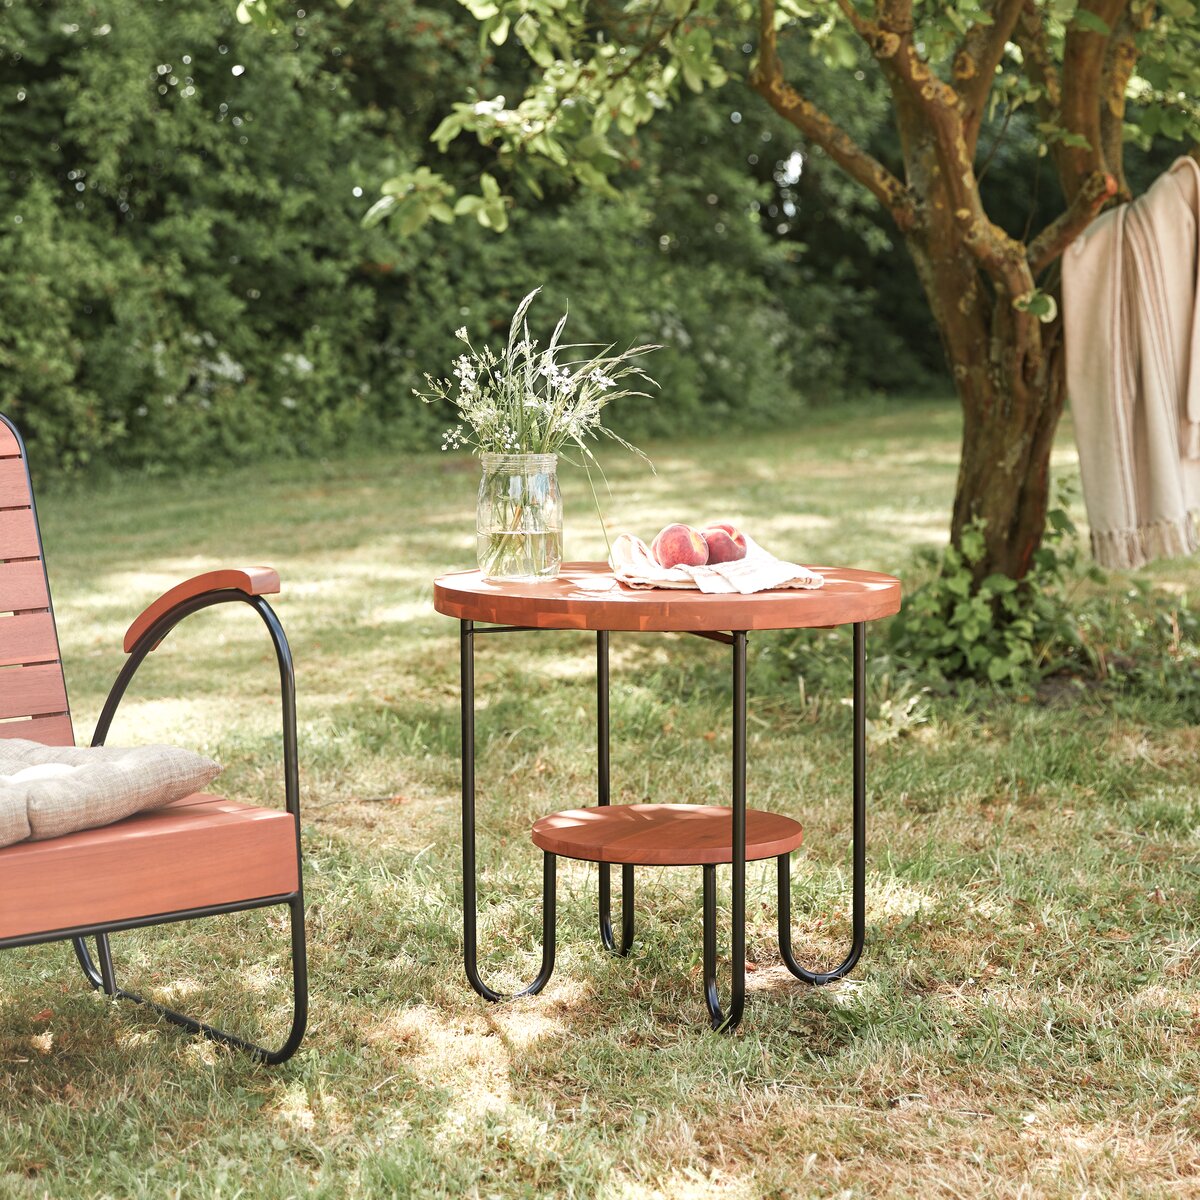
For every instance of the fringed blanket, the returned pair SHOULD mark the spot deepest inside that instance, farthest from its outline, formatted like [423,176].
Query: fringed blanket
[1132,326]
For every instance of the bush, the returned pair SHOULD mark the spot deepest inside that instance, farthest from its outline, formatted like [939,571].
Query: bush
[1002,631]
[186,278]
[1062,624]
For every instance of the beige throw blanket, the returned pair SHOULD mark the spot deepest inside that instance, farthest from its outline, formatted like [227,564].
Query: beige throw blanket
[1132,326]
[634,565]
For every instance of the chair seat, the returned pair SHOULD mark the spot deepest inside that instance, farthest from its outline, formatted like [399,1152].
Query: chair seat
[199,851]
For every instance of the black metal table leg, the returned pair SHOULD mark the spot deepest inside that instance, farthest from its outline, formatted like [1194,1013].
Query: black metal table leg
[470,941]
[720,1019]
[859,897]
[604,797]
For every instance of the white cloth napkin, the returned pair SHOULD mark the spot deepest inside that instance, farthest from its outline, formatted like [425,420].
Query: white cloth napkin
[634,565]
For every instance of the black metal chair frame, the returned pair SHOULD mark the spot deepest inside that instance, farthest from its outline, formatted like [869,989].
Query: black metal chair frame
[721,1019]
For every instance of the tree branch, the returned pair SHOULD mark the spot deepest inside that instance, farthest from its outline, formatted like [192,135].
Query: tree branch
[1040,68]
[1098,188]
[1120,59]
[864,28]
[767,79]
[975,63]
[1084,56]
[896,15]
[940,110]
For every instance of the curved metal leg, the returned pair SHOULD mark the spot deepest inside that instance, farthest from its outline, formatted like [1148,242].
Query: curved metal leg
[627,911]
[720,1020]
[104,977]
[84,955]
[859,897]
[549,861]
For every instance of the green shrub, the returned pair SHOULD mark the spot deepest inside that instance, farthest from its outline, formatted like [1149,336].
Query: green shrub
[1002,631]
[1131,646]
[185,278]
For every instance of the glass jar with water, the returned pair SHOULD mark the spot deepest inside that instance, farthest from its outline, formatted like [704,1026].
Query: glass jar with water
[518,518]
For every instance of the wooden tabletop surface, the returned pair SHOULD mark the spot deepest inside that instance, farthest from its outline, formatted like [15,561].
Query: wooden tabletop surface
[586,596]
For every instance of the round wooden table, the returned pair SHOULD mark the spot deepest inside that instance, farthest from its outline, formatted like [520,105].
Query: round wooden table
[585,596]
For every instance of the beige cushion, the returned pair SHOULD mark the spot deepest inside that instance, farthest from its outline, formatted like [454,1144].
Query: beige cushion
[14,819]
[46,791]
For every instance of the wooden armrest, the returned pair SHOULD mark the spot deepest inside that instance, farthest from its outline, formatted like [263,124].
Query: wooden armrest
[254,581]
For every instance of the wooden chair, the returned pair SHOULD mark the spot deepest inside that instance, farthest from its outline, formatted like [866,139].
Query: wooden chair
[198,857]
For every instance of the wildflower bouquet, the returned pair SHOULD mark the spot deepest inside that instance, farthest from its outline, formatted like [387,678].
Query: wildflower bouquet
[518,411]
[531,400]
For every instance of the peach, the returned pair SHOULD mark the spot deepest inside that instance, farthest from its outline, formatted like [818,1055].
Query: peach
[679,545]
[725,542]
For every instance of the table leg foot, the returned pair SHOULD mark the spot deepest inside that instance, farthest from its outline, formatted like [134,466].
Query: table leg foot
[549,913]
[627,911]
[719,1019]
[785,933]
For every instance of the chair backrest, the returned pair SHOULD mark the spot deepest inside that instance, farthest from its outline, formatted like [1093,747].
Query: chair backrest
[32,687]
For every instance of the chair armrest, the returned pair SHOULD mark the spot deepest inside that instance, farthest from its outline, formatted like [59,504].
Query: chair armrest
[254,581]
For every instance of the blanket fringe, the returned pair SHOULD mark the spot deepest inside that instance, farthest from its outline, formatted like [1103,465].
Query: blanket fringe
[1126,549]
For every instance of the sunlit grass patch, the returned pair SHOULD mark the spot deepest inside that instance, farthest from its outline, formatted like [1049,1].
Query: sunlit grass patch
[1023,1024]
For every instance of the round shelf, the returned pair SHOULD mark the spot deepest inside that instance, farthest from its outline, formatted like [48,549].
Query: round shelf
[586,596]
[663,835]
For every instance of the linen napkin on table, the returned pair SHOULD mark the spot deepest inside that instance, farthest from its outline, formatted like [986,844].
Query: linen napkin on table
[634,565]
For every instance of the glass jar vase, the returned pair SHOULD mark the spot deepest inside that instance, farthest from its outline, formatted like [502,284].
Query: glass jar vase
[518,517]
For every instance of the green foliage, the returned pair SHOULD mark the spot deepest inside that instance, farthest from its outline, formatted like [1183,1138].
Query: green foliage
[997,629]
[186,277]
[729,355]
[592,82]
[185,284]
[1136,646]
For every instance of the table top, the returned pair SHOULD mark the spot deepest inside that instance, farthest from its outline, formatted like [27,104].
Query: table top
[586,596]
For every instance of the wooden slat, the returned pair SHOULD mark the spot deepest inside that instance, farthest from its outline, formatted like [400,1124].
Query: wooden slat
[14,483]
[28,639]
[199,852]
[18,533]
[23,586]
[8,443]
[32,691]
[50,731]
[665,835]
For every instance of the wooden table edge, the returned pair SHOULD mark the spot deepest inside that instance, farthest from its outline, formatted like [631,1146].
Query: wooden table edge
[545,606]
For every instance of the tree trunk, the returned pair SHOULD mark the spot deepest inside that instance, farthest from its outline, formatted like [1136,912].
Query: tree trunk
[1011,399]
[1004,473]
[1011,389]
[980,281]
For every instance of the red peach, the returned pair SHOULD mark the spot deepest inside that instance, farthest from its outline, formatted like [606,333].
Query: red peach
[679,545]
[725,542]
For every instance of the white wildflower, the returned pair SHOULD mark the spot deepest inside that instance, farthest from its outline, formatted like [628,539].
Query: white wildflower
[528,399]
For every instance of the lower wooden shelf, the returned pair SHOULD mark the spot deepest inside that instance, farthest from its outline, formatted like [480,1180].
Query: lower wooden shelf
[663,835]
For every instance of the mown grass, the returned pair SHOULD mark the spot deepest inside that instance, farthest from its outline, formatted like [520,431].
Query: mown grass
[1025,1021]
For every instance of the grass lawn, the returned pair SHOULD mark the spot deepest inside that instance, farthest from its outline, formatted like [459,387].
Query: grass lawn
[1026,1019]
